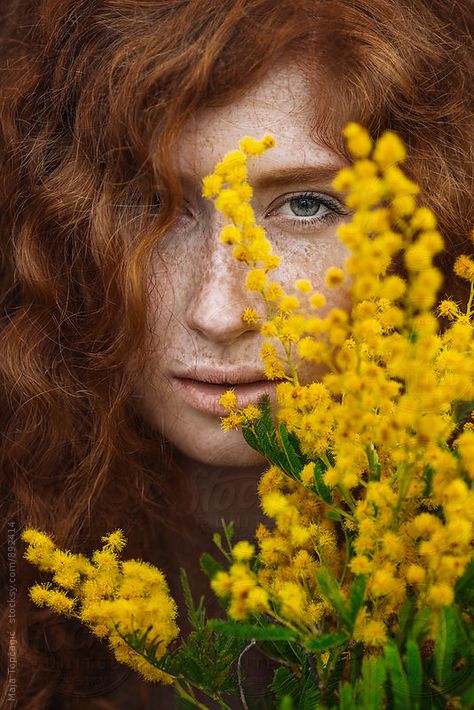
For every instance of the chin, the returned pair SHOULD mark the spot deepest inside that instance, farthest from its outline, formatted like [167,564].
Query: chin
[228,450]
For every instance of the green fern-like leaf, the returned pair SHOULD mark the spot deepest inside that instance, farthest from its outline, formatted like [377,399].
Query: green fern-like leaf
[372,683]
[270,632]
[414,671]
[398,678]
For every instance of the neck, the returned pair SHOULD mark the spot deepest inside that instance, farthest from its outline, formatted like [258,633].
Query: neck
[213,493]
[205,495]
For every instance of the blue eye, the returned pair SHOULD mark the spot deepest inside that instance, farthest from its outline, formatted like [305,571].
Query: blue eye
[305,205]
[306,210]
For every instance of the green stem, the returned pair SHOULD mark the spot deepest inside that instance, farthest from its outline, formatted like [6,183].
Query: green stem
[347,496]
[404,480]
[221,549]
[324,458]
[277,659]
[346,561]
[373,459]
[228,539]
[339,511]
[298,629]
[189,698]
[469,308]
[269,307]
[289,361]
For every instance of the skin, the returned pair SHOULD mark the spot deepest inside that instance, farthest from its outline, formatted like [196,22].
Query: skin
[197,290]
[197,294]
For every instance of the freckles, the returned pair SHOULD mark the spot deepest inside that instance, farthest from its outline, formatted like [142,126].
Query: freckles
[308,260]
[311,259]
[208,276]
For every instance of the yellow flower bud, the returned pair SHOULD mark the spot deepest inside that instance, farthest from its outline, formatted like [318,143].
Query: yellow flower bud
[389,150]
[334,276]
[256,280]
[243,551]
[441,594]
[358,140]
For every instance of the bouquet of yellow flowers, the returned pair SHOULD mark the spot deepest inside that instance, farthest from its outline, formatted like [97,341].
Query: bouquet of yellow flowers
[361,584]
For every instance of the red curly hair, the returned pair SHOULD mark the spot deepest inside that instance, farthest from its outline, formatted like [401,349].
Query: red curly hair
[93,96]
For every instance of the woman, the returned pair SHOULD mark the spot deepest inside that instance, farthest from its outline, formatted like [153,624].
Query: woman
[121,310]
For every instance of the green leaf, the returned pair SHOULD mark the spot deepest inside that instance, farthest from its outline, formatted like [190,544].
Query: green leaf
[236,629]
[428,481]
[309,696]
[398,679]
[421,624]
[196,615]
[284,684]
[321,488]
[279,447]
[262,435]
[405,617]
[251,439]
[414,670]
[217,540]
[303,692]
[206,659]
[463,672]
[454,653]
[294,463]
[467,698]
[357,595]
[329,588]
[141,643]
[228,531]
[465,631]
[182,703]
[375,469]
[323,643]
[464,591]
[286,703]
[346,697]
[339,669]
[357,656]
[372,683]
[444,647]
[209,565]
[462,410]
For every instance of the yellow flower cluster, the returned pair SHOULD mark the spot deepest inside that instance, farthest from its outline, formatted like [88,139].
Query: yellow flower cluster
[380,419]
[300,542]
[103,592]
[284,587]
[247,596]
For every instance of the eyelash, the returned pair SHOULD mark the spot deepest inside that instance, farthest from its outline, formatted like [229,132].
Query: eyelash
[335,208]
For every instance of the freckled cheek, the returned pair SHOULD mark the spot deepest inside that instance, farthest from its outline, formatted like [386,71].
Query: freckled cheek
[303,258]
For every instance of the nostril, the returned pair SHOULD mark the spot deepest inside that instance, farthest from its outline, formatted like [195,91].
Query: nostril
[217,323]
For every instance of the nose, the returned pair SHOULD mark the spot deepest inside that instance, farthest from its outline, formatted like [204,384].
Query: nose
[219,294]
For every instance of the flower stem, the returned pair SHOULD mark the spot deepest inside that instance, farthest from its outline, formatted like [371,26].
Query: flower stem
[471,299]
[189,698]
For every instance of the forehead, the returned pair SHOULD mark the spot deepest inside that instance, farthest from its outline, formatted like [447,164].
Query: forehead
[281,104]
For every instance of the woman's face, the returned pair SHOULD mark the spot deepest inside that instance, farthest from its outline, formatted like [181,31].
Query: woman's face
[200,345]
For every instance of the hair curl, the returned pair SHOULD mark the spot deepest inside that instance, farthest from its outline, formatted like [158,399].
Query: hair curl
[93,96]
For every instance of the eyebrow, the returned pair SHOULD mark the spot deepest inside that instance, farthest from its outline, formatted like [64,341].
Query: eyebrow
[292,175]
[297,174]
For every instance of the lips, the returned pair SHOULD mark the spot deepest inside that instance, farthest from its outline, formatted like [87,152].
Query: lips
[204,394]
